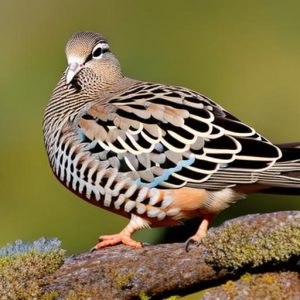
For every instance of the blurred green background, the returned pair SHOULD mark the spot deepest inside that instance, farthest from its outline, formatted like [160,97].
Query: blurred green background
[243,54]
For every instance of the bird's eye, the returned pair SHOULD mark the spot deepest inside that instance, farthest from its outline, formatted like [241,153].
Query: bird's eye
[100,49]
[97,52]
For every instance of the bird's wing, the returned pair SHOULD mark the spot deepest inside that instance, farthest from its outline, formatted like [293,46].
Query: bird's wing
[169,137]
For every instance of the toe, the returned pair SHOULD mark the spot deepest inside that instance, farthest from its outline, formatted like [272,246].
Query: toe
[120,238]
[107,237]
[132,243]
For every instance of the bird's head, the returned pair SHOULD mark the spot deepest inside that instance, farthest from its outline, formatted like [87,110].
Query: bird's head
[90,60]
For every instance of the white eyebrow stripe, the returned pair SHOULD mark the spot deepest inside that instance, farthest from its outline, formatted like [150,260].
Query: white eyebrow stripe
[102,45]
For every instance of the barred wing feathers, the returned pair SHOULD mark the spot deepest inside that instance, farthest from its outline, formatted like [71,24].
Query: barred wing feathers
[169,137]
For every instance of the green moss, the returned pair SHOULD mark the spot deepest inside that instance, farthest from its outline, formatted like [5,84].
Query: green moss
[228,285]
[21,274]
[258,286]
[246,277]
[50,296]
[82,293]
[143,296]
[229,289]
[122,280]
[268,278]
[196,296]
[237,245]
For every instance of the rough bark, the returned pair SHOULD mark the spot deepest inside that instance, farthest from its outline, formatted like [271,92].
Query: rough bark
[254,243]
[269,285]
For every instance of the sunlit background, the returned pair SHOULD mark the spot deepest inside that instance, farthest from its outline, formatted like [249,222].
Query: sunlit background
[243,54]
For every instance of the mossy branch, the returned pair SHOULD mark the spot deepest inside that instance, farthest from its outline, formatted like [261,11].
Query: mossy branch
[255,242]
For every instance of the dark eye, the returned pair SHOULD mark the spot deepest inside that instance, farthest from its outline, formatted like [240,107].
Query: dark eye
[97,52]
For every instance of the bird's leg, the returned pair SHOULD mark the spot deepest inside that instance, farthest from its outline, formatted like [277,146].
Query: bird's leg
[124,237]
[201,232]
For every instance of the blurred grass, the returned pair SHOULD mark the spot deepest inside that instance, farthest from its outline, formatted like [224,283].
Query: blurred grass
[244,55]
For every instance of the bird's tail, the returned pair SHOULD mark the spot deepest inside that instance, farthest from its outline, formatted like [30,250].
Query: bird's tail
[284,175]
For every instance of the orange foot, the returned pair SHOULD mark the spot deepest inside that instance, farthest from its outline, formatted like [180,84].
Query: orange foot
[124,237]
[114,239]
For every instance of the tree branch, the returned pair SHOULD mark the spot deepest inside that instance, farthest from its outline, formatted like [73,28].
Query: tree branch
[249,243]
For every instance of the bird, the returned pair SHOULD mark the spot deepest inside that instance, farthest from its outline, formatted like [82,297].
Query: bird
[156,154]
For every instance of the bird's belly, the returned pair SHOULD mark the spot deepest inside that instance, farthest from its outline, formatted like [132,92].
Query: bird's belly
[96,182]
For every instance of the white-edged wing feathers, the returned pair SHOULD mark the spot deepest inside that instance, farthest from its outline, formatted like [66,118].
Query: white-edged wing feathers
[169,137]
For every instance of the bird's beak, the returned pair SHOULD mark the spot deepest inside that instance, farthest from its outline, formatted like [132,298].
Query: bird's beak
[72,70]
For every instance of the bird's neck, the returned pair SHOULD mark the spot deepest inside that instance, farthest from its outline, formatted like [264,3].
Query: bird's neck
[68,101]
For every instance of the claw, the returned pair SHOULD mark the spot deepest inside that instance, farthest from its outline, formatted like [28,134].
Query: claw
[190,244]
[196,239]
[145,244]
[93,249]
